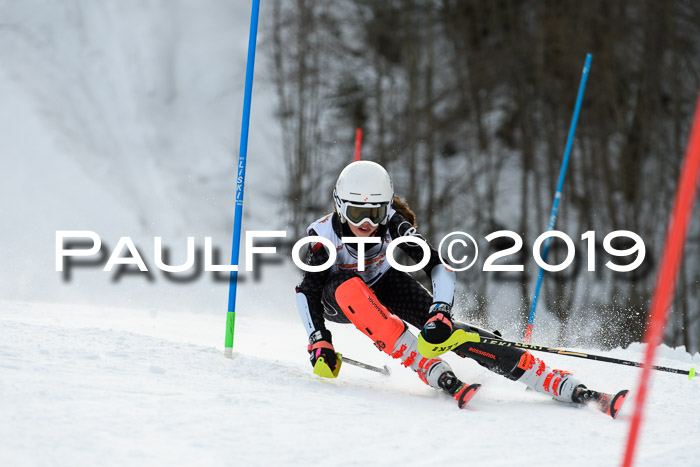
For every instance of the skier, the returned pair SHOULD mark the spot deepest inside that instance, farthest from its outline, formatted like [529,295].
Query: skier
[380,300]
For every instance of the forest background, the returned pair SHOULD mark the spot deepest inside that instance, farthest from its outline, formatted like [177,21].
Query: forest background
[468,105]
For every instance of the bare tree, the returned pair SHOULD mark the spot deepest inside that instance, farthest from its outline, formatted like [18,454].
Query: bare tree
[468,104]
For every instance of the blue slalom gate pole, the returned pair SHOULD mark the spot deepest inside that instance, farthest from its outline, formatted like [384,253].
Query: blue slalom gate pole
[240,180]
[557,195]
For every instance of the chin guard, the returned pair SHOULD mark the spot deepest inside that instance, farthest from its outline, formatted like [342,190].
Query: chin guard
[457,338]
[322,369]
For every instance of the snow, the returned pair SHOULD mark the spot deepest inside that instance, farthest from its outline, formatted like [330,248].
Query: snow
[122,118]
[86,385]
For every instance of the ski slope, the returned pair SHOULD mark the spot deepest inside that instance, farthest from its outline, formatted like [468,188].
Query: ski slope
[122,118]
[92,385]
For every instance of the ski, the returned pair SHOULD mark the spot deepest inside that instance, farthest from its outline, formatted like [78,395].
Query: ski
[459,391]
[611,404]
[465,393]
[608,403]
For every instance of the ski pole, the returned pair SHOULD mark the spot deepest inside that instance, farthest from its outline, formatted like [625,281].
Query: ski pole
[690,373]
[240,181]
[385,371]
[557,195]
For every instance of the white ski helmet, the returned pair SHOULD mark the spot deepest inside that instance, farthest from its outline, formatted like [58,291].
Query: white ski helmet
[363,193]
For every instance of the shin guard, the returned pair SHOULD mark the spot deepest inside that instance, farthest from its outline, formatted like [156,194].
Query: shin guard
[389,333]
[362,307]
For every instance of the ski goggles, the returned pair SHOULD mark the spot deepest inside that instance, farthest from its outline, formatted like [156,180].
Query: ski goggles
[358,214]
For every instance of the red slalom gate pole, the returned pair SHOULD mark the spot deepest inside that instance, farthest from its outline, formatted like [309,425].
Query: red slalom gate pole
[667,272]
[358,143]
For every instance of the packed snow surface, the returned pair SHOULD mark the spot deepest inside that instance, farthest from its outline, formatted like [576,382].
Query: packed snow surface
[122,118]
[88,385]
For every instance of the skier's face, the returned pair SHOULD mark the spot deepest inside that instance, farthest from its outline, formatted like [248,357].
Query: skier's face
[364,230]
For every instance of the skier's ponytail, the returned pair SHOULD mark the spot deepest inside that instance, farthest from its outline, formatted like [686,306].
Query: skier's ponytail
[401,206]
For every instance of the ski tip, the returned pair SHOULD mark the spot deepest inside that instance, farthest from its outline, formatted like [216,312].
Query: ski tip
[616,403]
[464,395]
[691,373]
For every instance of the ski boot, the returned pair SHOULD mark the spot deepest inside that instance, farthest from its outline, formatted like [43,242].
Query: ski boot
[459,391]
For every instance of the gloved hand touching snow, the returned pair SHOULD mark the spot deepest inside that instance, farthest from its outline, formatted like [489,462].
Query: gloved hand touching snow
[322,355]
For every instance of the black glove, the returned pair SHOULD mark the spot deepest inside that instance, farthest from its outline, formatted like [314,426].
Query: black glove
[438,327]
[322,355]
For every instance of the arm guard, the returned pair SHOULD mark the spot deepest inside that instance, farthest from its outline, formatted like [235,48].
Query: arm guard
[444,280]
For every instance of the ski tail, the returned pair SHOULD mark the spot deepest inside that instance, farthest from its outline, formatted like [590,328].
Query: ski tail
[608,403]
[465,393]
[611,404]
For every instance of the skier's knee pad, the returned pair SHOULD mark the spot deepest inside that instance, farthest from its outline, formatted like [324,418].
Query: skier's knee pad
[362,307]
